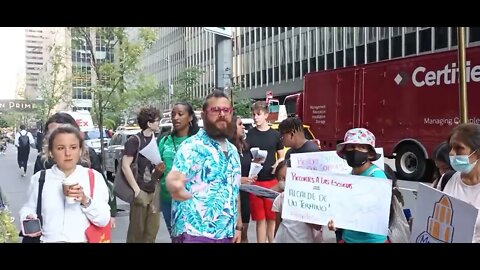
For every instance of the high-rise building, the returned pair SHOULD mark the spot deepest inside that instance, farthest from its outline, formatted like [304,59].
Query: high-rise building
[56,70]
[179,48]
[77,68]
[34,59]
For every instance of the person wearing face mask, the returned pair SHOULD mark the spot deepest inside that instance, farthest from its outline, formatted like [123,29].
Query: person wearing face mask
[464,185]
[358,149]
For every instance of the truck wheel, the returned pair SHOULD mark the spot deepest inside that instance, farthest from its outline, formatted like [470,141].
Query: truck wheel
[410,163]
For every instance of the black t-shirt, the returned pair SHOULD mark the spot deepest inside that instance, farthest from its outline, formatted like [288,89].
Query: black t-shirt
[265,140]
[245,161]
[307,147]
[145,166]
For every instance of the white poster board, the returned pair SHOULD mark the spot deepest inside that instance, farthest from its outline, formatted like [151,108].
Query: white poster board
[440,218]
[353,202]
[328,161]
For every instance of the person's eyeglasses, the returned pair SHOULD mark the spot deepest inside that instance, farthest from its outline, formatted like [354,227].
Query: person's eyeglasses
[218,110]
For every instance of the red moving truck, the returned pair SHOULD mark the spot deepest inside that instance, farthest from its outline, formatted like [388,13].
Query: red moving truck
[410,104]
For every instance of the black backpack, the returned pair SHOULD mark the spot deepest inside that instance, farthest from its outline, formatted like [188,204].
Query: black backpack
[23,141]
[41,181]
[445,178]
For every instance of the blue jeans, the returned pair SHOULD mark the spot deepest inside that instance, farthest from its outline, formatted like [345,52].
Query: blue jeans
[166,206]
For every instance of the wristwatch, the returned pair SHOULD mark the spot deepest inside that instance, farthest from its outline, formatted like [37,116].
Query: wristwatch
[239,228]
[87,204]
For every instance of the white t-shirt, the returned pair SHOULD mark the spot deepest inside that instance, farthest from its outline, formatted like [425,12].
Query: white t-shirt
[469,194]
[290,231]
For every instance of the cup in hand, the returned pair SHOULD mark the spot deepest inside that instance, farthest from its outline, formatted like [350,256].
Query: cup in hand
[67,185]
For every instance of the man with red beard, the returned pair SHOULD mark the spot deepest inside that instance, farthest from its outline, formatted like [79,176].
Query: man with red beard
[205,179]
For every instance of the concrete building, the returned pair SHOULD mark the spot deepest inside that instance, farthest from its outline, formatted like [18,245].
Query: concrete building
[20,86]
[56,72]
[34,59]
[179,48]
[77,67]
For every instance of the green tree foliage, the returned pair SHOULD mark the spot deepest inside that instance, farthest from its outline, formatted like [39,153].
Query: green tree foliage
[241,107]
[183,87]
[3,123]
[56,85]
[113,65]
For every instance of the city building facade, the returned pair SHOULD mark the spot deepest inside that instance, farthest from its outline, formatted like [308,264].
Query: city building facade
[34,59]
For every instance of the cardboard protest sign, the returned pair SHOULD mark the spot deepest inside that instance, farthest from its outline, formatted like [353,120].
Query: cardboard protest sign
[440,218]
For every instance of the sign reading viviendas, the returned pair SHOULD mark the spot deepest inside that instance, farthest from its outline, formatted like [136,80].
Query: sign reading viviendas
[354,202]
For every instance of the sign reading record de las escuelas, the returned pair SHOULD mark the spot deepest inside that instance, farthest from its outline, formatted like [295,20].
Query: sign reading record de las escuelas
[18,104]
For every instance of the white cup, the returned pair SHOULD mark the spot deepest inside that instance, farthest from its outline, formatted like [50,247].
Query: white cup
[66,186]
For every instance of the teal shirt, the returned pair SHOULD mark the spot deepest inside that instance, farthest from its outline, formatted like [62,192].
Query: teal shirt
[168,147]
[362,237]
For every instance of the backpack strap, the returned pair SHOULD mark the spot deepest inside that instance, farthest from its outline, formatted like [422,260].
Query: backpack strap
[41,182]
[91,178]
[445,178]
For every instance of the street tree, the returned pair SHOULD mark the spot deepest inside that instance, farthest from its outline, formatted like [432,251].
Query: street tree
[113,57]
[183,86]
[55,86]
[241,106]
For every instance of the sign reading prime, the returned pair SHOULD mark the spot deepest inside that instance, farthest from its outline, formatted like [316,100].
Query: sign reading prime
[19,105]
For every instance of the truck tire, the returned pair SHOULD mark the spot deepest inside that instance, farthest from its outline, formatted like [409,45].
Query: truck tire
[410,163]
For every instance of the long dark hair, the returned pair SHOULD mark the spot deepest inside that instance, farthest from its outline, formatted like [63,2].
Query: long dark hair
[193,126]
[239,142]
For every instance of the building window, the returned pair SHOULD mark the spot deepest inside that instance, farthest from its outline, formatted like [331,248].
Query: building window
[425,44]
[396,45]
[371,52]
[371,34]
[349,37]
[453,36]
[383,49]
[329,39]
[313,46]
[474,34]
[441,37]
[321,40]
[339,45]
[410,43]
[360,36]
[360,54]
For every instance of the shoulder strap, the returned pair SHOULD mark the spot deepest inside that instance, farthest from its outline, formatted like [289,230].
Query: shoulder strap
[445,178]
[139,145]
[91,178]
[41,182]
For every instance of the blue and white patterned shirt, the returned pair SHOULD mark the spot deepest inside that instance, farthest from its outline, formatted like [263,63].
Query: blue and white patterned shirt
[214,181]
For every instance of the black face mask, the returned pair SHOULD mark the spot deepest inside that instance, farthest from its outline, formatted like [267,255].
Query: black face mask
[356,158]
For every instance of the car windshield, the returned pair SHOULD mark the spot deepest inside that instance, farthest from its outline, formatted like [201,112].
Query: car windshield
[94,134]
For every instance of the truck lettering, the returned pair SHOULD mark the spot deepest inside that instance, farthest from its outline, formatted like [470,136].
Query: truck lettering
[447,75]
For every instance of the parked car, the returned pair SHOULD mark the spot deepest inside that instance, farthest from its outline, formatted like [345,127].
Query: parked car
[115,149]
[92,138]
